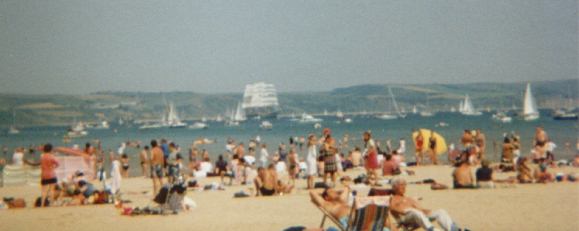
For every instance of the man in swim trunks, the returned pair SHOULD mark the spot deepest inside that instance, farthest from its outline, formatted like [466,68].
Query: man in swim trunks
[48,165]
[265,182]
[157,162]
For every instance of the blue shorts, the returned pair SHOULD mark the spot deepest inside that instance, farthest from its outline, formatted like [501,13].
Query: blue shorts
[157,171]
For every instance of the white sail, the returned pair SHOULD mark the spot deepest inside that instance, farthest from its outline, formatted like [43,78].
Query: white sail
[239,113]
[530,111]
[173,119]
[260,100]
[468,108]
[398,112]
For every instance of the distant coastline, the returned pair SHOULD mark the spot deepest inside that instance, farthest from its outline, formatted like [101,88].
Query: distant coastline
[54,110]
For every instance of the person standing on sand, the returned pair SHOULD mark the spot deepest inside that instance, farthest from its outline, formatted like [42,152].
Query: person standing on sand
[312,160]
[432,148]
[480,141]
[466,140]
[371,154]
[419,146]
[157,162]
[328,151]
[263,156]
[144,156]
[48,165]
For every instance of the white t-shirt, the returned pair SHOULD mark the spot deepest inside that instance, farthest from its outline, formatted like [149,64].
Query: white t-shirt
[18,158]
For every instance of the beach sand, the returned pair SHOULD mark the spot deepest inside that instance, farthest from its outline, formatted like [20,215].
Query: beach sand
[522,207]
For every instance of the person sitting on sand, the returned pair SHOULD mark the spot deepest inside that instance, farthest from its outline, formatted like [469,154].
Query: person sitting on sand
[543,176]
[484,175]
[462,176]
[508,149]
[524,171]
[389,167]
[409,212]
[266,181]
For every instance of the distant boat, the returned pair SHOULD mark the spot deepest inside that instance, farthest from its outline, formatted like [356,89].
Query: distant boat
[102,125]
[307,118]
[530,110]
[239,114]
[339,114]
[173,120]
[317,125]
[502,117]
[348,120]
[260,101]
[266,125]
[426,112]
[467,108]
[565,112]
[13,130]
[77,130]
[389,115]
[198,126]
[150,126]
[562,114]
[219,118]
[414,110]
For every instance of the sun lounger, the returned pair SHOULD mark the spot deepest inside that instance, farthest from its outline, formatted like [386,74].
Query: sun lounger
[367,214]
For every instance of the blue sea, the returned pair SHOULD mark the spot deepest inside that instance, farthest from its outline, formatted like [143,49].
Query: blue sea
[564,133]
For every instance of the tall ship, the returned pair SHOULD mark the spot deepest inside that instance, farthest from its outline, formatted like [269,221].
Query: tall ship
[260,101]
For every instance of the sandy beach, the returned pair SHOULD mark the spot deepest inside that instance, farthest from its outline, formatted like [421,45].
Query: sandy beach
[552,206]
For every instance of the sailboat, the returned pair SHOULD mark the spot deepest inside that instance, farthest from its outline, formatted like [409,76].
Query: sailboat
[239,114]
[427,112]
[389,116]
[467,107]
[565,112]
[173,120]
[530,111]
[13,130]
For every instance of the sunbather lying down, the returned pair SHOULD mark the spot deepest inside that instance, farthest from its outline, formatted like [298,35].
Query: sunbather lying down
[409,213]
[336,204]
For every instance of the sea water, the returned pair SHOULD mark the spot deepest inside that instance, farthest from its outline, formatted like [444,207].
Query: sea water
[563,133]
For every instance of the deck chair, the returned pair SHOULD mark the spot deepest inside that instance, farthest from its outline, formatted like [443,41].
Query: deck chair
[367,214]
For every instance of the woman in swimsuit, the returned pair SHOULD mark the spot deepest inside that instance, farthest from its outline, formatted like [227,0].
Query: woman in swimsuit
[125,165]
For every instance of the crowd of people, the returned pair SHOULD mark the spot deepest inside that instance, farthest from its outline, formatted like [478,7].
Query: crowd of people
[275,172]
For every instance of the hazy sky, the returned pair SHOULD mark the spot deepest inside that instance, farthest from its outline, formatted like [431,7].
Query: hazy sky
[74,47]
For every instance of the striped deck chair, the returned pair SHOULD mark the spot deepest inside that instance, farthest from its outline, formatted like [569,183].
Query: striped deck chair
[367,214]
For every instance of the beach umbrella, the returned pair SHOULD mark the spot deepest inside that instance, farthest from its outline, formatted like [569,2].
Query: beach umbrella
[441,147]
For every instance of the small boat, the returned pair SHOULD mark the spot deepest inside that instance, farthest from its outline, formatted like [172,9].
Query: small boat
[76,131]
[441,124]
[426,114]
[150,126]
[564,115]
[232,123]
[530,110]
[317,126]
[102,125]
[198,126]
[173,120]
[339,114]
[307,118]
[502,117]
[13,130]
[266,125]
[386,116]
[348,121]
